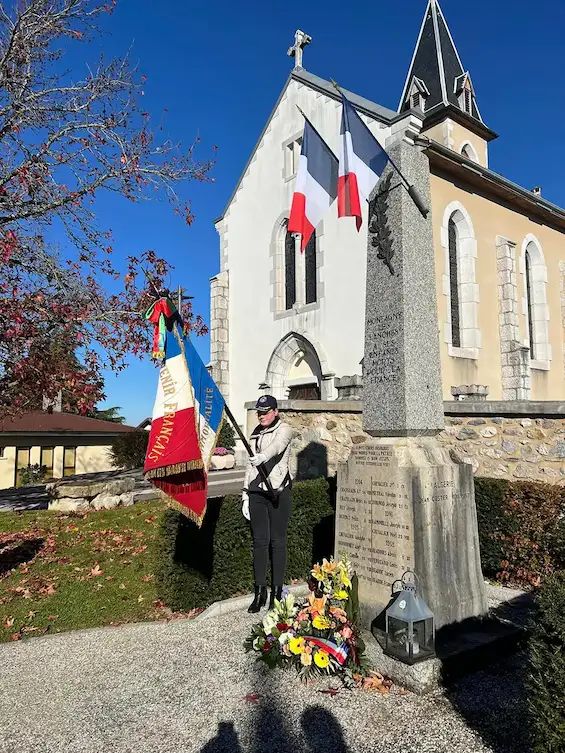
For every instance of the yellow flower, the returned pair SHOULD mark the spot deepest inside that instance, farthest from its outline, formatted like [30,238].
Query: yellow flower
[296,645]
[345,580]
[321,658]
[328,567]
[320,622]
[341,595]
[306,659]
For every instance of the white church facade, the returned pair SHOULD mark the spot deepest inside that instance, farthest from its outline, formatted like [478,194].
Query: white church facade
[291,324]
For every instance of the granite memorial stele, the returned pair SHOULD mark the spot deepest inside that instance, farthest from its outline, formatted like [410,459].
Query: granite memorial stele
[403,503]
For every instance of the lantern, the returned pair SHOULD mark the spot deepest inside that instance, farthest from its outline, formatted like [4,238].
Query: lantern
[410,629]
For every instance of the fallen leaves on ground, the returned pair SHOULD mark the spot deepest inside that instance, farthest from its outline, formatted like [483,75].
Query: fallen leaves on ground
[374,681]
[8,622]
[252,698]
[329,691]
[95,571]
[48,590]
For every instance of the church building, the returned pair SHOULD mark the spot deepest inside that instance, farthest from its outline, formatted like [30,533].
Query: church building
[292,324]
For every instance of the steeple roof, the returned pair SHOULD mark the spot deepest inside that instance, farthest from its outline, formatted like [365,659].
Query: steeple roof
[437,64]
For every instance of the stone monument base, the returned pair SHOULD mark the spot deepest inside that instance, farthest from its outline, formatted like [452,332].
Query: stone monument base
[405,504]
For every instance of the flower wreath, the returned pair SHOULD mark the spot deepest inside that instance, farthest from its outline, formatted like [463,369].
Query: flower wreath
[317,635]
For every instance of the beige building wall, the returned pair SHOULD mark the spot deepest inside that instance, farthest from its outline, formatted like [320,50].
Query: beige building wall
[455,136]
[93,459]
[490,222]
[89,459]
[7,467]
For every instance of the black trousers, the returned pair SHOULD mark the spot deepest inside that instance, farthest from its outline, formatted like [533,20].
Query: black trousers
[269,525]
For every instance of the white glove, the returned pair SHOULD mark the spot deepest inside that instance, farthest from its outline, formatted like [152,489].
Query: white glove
[257,460]
[245,505]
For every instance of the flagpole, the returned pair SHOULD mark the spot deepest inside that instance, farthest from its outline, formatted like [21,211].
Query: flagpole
[250,452]
[412,190]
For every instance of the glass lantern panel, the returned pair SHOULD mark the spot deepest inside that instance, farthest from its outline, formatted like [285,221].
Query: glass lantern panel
[397,637]
[423,637]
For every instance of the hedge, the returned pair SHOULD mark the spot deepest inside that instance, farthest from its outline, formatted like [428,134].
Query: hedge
[196,567]
[521,529]
[547,668]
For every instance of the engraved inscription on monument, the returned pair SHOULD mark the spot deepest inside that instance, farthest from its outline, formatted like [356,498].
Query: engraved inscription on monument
[383,352]
[375,520]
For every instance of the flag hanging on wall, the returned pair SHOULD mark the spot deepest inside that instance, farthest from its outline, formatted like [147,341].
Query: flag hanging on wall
[187,417]
[316,184]
[361,163]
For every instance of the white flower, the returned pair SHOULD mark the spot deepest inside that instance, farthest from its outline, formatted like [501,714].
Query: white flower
[284,637]
[269,623]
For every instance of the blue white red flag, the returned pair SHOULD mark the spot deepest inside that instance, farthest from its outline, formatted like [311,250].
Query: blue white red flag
[316,184]
[187,418]
[361,163]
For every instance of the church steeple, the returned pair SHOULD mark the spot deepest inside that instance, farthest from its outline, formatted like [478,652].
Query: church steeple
[436,79]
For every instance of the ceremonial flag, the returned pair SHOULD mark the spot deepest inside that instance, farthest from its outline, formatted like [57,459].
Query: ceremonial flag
[316,184]
[361,163]
[187,417]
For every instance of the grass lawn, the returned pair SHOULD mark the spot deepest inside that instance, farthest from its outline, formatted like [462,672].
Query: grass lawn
[68,571]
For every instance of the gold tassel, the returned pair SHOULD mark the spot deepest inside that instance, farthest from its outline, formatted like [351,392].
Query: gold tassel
[174,470]
[190,514]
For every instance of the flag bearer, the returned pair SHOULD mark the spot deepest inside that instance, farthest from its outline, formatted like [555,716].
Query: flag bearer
[270,441]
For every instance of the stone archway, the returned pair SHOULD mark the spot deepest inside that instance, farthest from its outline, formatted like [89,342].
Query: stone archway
[297,361]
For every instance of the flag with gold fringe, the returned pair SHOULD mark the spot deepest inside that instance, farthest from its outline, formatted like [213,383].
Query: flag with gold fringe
[187,417]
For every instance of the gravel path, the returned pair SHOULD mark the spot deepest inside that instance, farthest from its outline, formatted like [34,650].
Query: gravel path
[181,687]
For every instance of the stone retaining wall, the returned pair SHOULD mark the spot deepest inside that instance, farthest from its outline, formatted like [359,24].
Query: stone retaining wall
[512,448]
[524,441]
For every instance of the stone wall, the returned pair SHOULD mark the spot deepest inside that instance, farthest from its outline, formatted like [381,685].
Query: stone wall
[512,448]
[519,440]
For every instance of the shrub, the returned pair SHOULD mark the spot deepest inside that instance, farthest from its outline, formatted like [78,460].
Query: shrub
[32,474]
[226,437]
[198,566]
[547,668]
[128,450]
[521,529]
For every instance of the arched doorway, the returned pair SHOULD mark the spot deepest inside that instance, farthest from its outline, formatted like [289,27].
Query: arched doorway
[297,370]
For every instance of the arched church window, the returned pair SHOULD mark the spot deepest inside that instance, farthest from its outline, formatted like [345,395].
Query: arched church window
[534,303]
[459,284]
[310,269]
[289,270]
[454,285]
[530,303]
[468,151]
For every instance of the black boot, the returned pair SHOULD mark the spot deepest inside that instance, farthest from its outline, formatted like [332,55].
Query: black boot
[260,599]
[276,593]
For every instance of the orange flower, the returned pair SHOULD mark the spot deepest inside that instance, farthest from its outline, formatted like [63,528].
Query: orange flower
[317,605]
[338,613]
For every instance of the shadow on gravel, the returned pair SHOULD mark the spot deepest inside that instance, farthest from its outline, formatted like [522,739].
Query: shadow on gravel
[493,702]
[269,728]
[322,731]
[226,741]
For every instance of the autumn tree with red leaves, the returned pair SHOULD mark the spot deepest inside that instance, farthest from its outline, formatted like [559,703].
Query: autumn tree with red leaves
[63,141]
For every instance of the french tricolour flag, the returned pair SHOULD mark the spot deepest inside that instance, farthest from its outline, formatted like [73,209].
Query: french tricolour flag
[361,163]
[316,184]
[187,417]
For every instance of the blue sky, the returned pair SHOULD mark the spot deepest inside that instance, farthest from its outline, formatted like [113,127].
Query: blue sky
[218,69]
